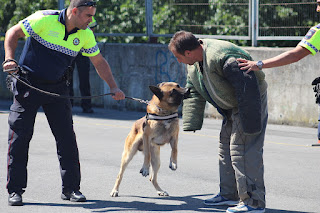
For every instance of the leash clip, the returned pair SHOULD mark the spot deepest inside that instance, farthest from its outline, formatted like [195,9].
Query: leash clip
[144,101]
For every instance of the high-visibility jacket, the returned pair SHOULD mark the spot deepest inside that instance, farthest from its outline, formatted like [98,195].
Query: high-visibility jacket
[50,49]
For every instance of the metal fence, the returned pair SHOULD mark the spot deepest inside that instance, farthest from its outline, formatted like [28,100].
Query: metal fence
[223,19]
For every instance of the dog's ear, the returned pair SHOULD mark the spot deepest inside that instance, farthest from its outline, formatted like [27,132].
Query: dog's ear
[157,91]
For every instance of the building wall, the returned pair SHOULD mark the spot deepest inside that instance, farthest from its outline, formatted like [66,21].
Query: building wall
[136,66]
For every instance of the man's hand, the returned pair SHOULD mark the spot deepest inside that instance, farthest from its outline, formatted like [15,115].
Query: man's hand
[10,66]
[118,94]
[247,65]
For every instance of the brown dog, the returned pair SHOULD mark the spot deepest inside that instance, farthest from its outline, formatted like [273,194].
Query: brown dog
[158,127]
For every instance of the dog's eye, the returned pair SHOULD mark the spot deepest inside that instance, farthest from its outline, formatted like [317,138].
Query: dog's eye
[178,86]
[173,92]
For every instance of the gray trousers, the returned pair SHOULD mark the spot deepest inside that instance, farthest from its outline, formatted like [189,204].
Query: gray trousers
[241,160]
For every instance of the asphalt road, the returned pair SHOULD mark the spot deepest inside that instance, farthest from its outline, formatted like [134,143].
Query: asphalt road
[292,171]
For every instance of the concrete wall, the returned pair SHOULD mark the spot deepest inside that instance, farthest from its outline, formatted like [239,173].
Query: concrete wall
[136,66]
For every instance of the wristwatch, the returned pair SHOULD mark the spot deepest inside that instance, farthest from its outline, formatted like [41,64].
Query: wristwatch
[259,65]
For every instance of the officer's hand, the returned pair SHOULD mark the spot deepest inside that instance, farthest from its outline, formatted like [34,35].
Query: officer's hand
[10,66]
[245,64]
[118,94]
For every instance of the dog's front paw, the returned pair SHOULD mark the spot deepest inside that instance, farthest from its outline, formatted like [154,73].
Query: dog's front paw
[173,166]
[144,171]
[114,193]
[163,193]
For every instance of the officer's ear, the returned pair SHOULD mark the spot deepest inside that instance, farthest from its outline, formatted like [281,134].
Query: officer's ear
[74,11]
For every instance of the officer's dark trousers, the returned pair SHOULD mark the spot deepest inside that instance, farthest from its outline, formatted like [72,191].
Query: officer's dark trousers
[21,125]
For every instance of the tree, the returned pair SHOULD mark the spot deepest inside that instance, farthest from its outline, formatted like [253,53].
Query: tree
[11,12]
[126,16]
[208,17]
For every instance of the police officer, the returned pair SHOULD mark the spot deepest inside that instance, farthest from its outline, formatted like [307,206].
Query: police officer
[83,67]
[54,39]
[310,44]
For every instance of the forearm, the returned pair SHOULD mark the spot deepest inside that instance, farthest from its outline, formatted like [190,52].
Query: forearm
[104,71]
[10,44]
[285,58]
[106,75]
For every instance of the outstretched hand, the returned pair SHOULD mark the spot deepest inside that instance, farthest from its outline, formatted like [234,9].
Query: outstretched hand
[118,94]
[245,64]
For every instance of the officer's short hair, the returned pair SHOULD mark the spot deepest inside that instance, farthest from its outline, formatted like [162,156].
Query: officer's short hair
[182,41]
[77,3]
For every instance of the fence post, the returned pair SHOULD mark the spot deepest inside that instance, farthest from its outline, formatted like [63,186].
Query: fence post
[149,22]
[60,4]
[254,22]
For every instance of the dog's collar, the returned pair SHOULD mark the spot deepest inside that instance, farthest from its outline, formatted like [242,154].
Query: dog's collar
[159,117]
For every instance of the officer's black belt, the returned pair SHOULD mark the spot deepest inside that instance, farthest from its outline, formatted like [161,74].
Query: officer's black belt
[35,80]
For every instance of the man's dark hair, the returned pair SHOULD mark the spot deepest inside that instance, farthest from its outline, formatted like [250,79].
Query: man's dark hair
[77,3]
[182,41]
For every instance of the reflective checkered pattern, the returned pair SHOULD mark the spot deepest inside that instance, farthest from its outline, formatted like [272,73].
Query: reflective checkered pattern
[47,44]
[309,44]
[90,50]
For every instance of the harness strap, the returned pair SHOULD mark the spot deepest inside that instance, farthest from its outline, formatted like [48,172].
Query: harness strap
[150,116]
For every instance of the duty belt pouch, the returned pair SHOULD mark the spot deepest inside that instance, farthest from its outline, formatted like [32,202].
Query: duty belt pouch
[15,86]
[10,83]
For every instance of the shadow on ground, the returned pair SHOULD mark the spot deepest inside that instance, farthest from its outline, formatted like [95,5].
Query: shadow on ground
[188,203]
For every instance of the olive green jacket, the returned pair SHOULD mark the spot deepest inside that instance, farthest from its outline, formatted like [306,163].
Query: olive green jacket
[212,85]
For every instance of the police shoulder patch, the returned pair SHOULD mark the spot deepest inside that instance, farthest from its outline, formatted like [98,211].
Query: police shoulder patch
[310,33]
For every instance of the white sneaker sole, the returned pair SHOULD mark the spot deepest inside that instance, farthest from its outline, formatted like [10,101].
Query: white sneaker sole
[252,211]
[223,203]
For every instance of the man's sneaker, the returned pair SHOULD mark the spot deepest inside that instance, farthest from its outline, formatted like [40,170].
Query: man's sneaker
[15,199]
[219,200]
[245,208]
[75,196]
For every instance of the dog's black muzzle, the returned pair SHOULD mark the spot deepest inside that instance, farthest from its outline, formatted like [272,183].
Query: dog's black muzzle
[179,96]
[186,94]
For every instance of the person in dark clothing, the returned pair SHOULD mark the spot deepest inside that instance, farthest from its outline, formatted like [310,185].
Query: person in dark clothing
[54,39]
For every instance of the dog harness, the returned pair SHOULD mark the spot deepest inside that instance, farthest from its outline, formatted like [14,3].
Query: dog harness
[150,116]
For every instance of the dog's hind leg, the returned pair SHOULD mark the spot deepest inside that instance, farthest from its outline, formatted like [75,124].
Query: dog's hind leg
[127,156]
[155,163]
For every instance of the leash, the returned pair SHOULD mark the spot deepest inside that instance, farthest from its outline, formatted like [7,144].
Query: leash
[63,96]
